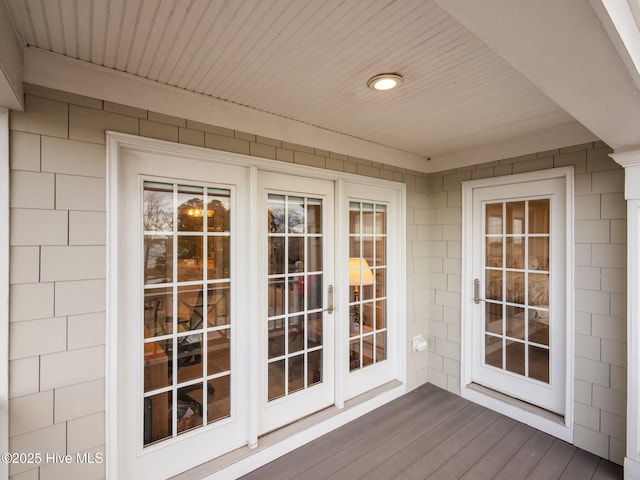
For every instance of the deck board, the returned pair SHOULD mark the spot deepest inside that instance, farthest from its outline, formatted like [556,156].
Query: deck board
[435,435]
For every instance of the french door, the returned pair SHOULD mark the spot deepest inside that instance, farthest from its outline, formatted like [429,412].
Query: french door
[295,321]
[519,277]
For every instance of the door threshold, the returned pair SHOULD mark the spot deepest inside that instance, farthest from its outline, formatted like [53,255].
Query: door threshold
[546,421]
[286,439]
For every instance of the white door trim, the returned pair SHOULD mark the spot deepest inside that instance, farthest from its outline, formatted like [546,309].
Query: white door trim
[117,142]
[558,426]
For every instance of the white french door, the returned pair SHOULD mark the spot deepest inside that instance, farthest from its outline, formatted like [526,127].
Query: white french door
[519,284]
[295,319]
[222,290]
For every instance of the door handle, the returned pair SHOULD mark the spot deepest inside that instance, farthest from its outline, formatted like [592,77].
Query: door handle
[476,291]
[329,308]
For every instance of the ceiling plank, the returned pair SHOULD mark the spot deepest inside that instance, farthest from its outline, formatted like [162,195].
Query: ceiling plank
[563,49]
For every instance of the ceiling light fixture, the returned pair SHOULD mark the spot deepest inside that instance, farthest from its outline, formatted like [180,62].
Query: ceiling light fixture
[385,81]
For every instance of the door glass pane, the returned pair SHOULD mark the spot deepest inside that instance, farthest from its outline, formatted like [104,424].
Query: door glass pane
[294,294]
[190,208]
[367,284]
[523,333]
[186,352]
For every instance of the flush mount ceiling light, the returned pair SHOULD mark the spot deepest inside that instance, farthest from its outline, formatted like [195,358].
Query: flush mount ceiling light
[385,81]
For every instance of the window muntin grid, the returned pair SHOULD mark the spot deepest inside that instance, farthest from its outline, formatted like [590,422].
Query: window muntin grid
[367,284]
[517,279]
[294,299]
[187,308]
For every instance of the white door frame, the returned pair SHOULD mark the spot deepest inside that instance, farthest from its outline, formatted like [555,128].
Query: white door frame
[558,426]
[116,143]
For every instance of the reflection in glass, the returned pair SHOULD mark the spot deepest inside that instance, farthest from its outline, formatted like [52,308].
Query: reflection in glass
[189,411]
[314,215]
[354,247]
[539,363]
[515,287]
[295,215]
[218,208]
[380,251]
[493,351]
[276,255]
[189,357]
[296,333]
[190,258]
[158,312]
[539,253]
[219,304]
[219,396]
[515,252]
[314,367]
[494,252]
[314,330]
[276,214]
[190,208]
[354,218]
[190,307]
[314,254]
[367,350]
[381,346]
[276,379]
[179,359]
[218,351]
[296,373]
[493,318]
[381,282]
[157,418]
[367,219]
[538,326]
[157,207]
[158,255]
[539,214]
[493,214]
[539,289]
[381,317]
[515,357]
[367,283]
[218,258]
[276,338]
[515,218]
[157,365]
[381,219]
[276,291]
[493,285]
[354,354]
[515,322]
[314,291]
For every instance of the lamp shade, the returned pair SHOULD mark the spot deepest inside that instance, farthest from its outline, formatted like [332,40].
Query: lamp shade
[359,267]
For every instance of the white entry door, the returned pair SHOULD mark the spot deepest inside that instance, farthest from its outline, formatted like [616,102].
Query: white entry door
[519,280]
[296,279]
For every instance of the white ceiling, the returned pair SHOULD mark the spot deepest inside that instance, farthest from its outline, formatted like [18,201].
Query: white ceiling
[309,61]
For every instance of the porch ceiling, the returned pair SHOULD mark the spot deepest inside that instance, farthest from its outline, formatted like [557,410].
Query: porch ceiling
[309,61]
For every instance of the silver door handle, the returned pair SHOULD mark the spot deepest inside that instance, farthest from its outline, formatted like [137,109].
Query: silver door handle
[329,308]
[476,291]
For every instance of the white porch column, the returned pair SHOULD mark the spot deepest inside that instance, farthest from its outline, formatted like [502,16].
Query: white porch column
[4,288]
[630,160]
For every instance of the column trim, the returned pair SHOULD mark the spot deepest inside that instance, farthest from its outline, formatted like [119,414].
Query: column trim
[4,288]
[630,160]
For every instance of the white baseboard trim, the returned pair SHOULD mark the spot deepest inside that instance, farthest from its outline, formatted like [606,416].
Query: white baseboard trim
[631,469]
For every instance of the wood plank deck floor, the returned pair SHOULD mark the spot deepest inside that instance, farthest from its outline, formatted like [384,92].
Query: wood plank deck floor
[433,434]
